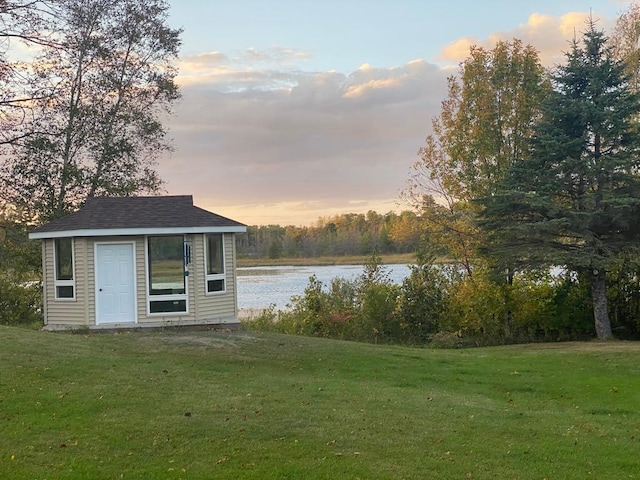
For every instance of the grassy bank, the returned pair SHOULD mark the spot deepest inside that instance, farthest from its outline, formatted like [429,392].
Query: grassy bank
[404,258]
[244,405]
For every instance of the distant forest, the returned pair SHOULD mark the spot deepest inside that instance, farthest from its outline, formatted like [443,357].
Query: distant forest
[346,234]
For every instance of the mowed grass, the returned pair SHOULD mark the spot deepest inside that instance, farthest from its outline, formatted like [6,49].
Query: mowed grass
[196,405]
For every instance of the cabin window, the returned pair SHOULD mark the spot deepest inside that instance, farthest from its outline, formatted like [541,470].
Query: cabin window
[65,285]
[166,274]
[214,263]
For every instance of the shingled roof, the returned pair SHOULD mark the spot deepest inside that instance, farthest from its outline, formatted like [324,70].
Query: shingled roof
[102,216]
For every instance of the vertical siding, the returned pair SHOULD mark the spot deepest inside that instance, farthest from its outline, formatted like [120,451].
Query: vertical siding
[66,311]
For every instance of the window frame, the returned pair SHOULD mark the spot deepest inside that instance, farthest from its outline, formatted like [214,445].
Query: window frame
[214,276]
[178,297]
[64,282]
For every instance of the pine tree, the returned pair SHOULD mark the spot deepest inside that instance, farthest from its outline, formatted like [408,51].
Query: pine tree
[576,201]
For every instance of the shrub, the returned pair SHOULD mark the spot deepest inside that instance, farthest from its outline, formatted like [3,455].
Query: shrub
[624,298]
[266,321]
[437,304]
[377,303]
[20,288]
[317,312]
[571,315]
[362,309]
[421,303]
[20,302]
[485,310]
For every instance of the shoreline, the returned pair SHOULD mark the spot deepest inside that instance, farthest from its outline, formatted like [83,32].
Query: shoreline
[249,313]
[397,258]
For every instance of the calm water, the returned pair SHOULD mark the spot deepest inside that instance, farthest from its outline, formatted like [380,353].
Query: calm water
[259,287]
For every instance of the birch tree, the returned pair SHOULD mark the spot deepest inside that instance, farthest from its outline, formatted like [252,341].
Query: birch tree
[24,25]
[625,40]
[100,133]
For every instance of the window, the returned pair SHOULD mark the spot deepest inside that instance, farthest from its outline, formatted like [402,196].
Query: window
[63,264]
[167,285]
[214,263]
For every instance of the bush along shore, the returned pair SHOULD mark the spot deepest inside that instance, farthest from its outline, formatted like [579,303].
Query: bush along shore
[440,305]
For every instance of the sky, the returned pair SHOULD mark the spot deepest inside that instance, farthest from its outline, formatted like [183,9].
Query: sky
[293,110]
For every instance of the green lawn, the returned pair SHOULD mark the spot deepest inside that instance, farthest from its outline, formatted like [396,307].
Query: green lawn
[197,405]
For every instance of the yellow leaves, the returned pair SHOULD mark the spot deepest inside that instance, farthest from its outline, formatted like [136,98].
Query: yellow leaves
[173,469]
[332,443]
[73,443]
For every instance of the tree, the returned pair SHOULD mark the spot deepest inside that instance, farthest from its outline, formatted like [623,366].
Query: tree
[100,133]
[405,231]
[28,23]
[625,40]
[575,201]
[483,126]
[20,271]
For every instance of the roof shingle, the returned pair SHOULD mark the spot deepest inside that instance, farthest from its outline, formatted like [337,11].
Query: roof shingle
[137,213]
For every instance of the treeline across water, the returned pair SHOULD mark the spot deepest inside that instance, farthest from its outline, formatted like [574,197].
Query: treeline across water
[345,234]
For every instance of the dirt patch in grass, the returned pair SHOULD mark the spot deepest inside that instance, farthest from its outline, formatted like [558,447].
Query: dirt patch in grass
[201,339]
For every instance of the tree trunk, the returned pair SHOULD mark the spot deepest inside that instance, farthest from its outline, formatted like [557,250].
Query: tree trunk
[600,307]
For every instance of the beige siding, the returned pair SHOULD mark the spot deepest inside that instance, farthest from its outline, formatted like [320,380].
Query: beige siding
[203,308]
[141,279]
[67,312]
[216,307]
[91,282]
[45,280]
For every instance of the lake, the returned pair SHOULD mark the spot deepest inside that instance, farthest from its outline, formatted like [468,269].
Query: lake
[259,287]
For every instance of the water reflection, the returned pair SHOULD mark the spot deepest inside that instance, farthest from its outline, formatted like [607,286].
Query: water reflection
[259,287]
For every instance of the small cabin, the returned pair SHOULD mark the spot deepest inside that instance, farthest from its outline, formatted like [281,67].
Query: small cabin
[127,262]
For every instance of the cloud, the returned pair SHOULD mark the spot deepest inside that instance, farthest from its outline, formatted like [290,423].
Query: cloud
[261,140]
[550,35]
[276,54]
[252,68]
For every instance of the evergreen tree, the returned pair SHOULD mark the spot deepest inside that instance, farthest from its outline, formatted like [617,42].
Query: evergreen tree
[575,202]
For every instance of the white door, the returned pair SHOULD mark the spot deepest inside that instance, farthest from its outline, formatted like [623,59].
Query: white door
[115,283]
